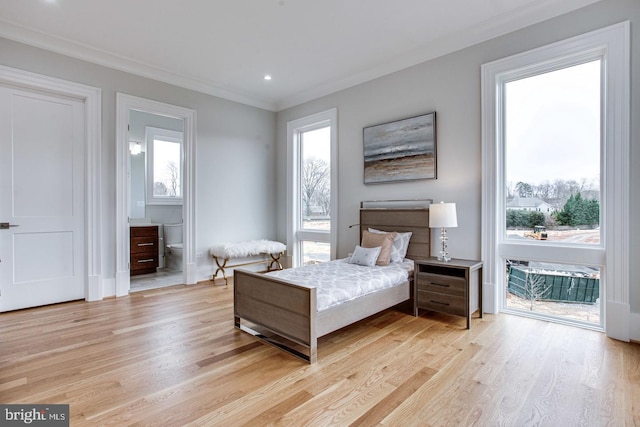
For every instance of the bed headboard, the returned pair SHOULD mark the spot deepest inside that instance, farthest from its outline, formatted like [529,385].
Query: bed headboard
[402,220]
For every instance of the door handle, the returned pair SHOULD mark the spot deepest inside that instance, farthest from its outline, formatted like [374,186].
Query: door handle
[6,225]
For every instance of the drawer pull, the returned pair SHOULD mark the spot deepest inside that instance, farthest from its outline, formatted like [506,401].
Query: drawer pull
[145,244]
[146,260]
[439,303]
[444,285]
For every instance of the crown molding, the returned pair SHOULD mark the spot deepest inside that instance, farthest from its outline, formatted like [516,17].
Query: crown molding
[498,26]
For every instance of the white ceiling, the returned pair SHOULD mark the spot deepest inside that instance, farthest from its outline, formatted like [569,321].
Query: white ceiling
[224,48]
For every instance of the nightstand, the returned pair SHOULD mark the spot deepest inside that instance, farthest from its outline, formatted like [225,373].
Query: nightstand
[453,287]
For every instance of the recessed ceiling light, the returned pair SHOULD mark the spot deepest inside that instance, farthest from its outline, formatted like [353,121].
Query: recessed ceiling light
[267,77]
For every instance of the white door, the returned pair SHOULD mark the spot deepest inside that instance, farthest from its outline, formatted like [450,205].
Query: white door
[41,199]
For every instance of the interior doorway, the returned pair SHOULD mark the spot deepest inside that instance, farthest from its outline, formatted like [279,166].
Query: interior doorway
[155,203]
[155,220]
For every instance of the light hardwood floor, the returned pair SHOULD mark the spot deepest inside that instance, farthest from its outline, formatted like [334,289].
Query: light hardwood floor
[172,357]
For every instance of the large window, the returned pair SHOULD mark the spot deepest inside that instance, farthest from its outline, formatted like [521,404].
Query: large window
[164,166]
[556,181]
[552,175]
[312,190]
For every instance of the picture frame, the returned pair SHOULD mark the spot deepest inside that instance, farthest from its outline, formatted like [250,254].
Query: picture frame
[402,150]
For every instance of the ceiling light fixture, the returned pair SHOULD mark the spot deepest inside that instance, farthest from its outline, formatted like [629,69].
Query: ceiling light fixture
[267,77]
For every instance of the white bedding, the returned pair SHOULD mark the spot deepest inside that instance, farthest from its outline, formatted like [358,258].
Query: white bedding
[338,281]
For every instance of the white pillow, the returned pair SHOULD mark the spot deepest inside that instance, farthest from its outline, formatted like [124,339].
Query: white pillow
[400,244]
[365,256]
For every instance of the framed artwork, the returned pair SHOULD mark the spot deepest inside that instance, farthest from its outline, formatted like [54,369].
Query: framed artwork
[404,150]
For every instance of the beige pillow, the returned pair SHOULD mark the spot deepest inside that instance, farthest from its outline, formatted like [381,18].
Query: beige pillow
[385,241]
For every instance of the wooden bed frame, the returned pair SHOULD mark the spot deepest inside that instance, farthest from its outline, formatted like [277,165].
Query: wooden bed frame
[280,309]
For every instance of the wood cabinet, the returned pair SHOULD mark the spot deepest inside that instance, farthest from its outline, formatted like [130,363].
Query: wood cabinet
[144,255]
[453,287]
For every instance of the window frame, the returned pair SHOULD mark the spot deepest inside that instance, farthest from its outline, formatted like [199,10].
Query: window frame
[295,234]
[613,45]
[151,134]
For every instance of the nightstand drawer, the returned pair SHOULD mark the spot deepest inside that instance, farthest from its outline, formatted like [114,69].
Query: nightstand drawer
[439,283]
[442,302]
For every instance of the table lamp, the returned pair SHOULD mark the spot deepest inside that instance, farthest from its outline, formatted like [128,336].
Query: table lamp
[443,215]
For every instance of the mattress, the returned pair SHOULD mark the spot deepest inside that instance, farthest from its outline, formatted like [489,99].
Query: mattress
[339,281]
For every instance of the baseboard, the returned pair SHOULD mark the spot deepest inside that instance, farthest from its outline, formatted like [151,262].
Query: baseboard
[489,298]
[109,288]
[618,321]
[634,327]
[122,283]
[192,273]
[94,291]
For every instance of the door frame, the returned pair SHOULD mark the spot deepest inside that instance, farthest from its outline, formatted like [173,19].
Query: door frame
[124,103]
[92,99]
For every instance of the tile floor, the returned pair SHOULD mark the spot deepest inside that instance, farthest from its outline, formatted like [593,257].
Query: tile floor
[160,279]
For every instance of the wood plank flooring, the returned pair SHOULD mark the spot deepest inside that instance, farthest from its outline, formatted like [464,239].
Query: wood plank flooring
[172,357]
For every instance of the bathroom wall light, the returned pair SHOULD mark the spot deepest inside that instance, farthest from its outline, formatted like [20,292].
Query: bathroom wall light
[135,147]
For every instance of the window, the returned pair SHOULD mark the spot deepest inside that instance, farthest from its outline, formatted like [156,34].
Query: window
[552,156]
[534,265]
[312,188]
[164,166]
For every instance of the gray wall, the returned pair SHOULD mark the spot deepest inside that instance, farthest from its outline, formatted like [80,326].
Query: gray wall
[450,85]
[235,162]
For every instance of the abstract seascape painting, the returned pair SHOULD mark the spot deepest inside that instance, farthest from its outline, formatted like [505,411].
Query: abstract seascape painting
[403,150]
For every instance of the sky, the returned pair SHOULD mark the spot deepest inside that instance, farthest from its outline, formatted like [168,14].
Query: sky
[553,126]
[164,152]
[317,144]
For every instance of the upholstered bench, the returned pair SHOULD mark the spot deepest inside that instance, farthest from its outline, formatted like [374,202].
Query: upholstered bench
[223,252]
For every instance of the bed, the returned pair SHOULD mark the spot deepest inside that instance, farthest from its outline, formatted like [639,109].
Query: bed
[285,314]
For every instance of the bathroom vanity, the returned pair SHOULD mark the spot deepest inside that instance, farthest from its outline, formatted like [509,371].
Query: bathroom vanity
[144,255]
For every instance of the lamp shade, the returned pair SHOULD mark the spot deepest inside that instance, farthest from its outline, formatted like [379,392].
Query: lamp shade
[443,215]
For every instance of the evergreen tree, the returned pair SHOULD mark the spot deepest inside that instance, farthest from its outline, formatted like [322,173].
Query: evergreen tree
[578,211]
[535,218]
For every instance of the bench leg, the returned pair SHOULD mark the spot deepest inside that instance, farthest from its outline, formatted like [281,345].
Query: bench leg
[274,264]
[275,259]
[220,269]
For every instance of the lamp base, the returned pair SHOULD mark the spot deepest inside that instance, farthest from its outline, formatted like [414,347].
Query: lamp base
[444,255]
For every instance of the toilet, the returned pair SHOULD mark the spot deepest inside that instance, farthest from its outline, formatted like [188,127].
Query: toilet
[173,246]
